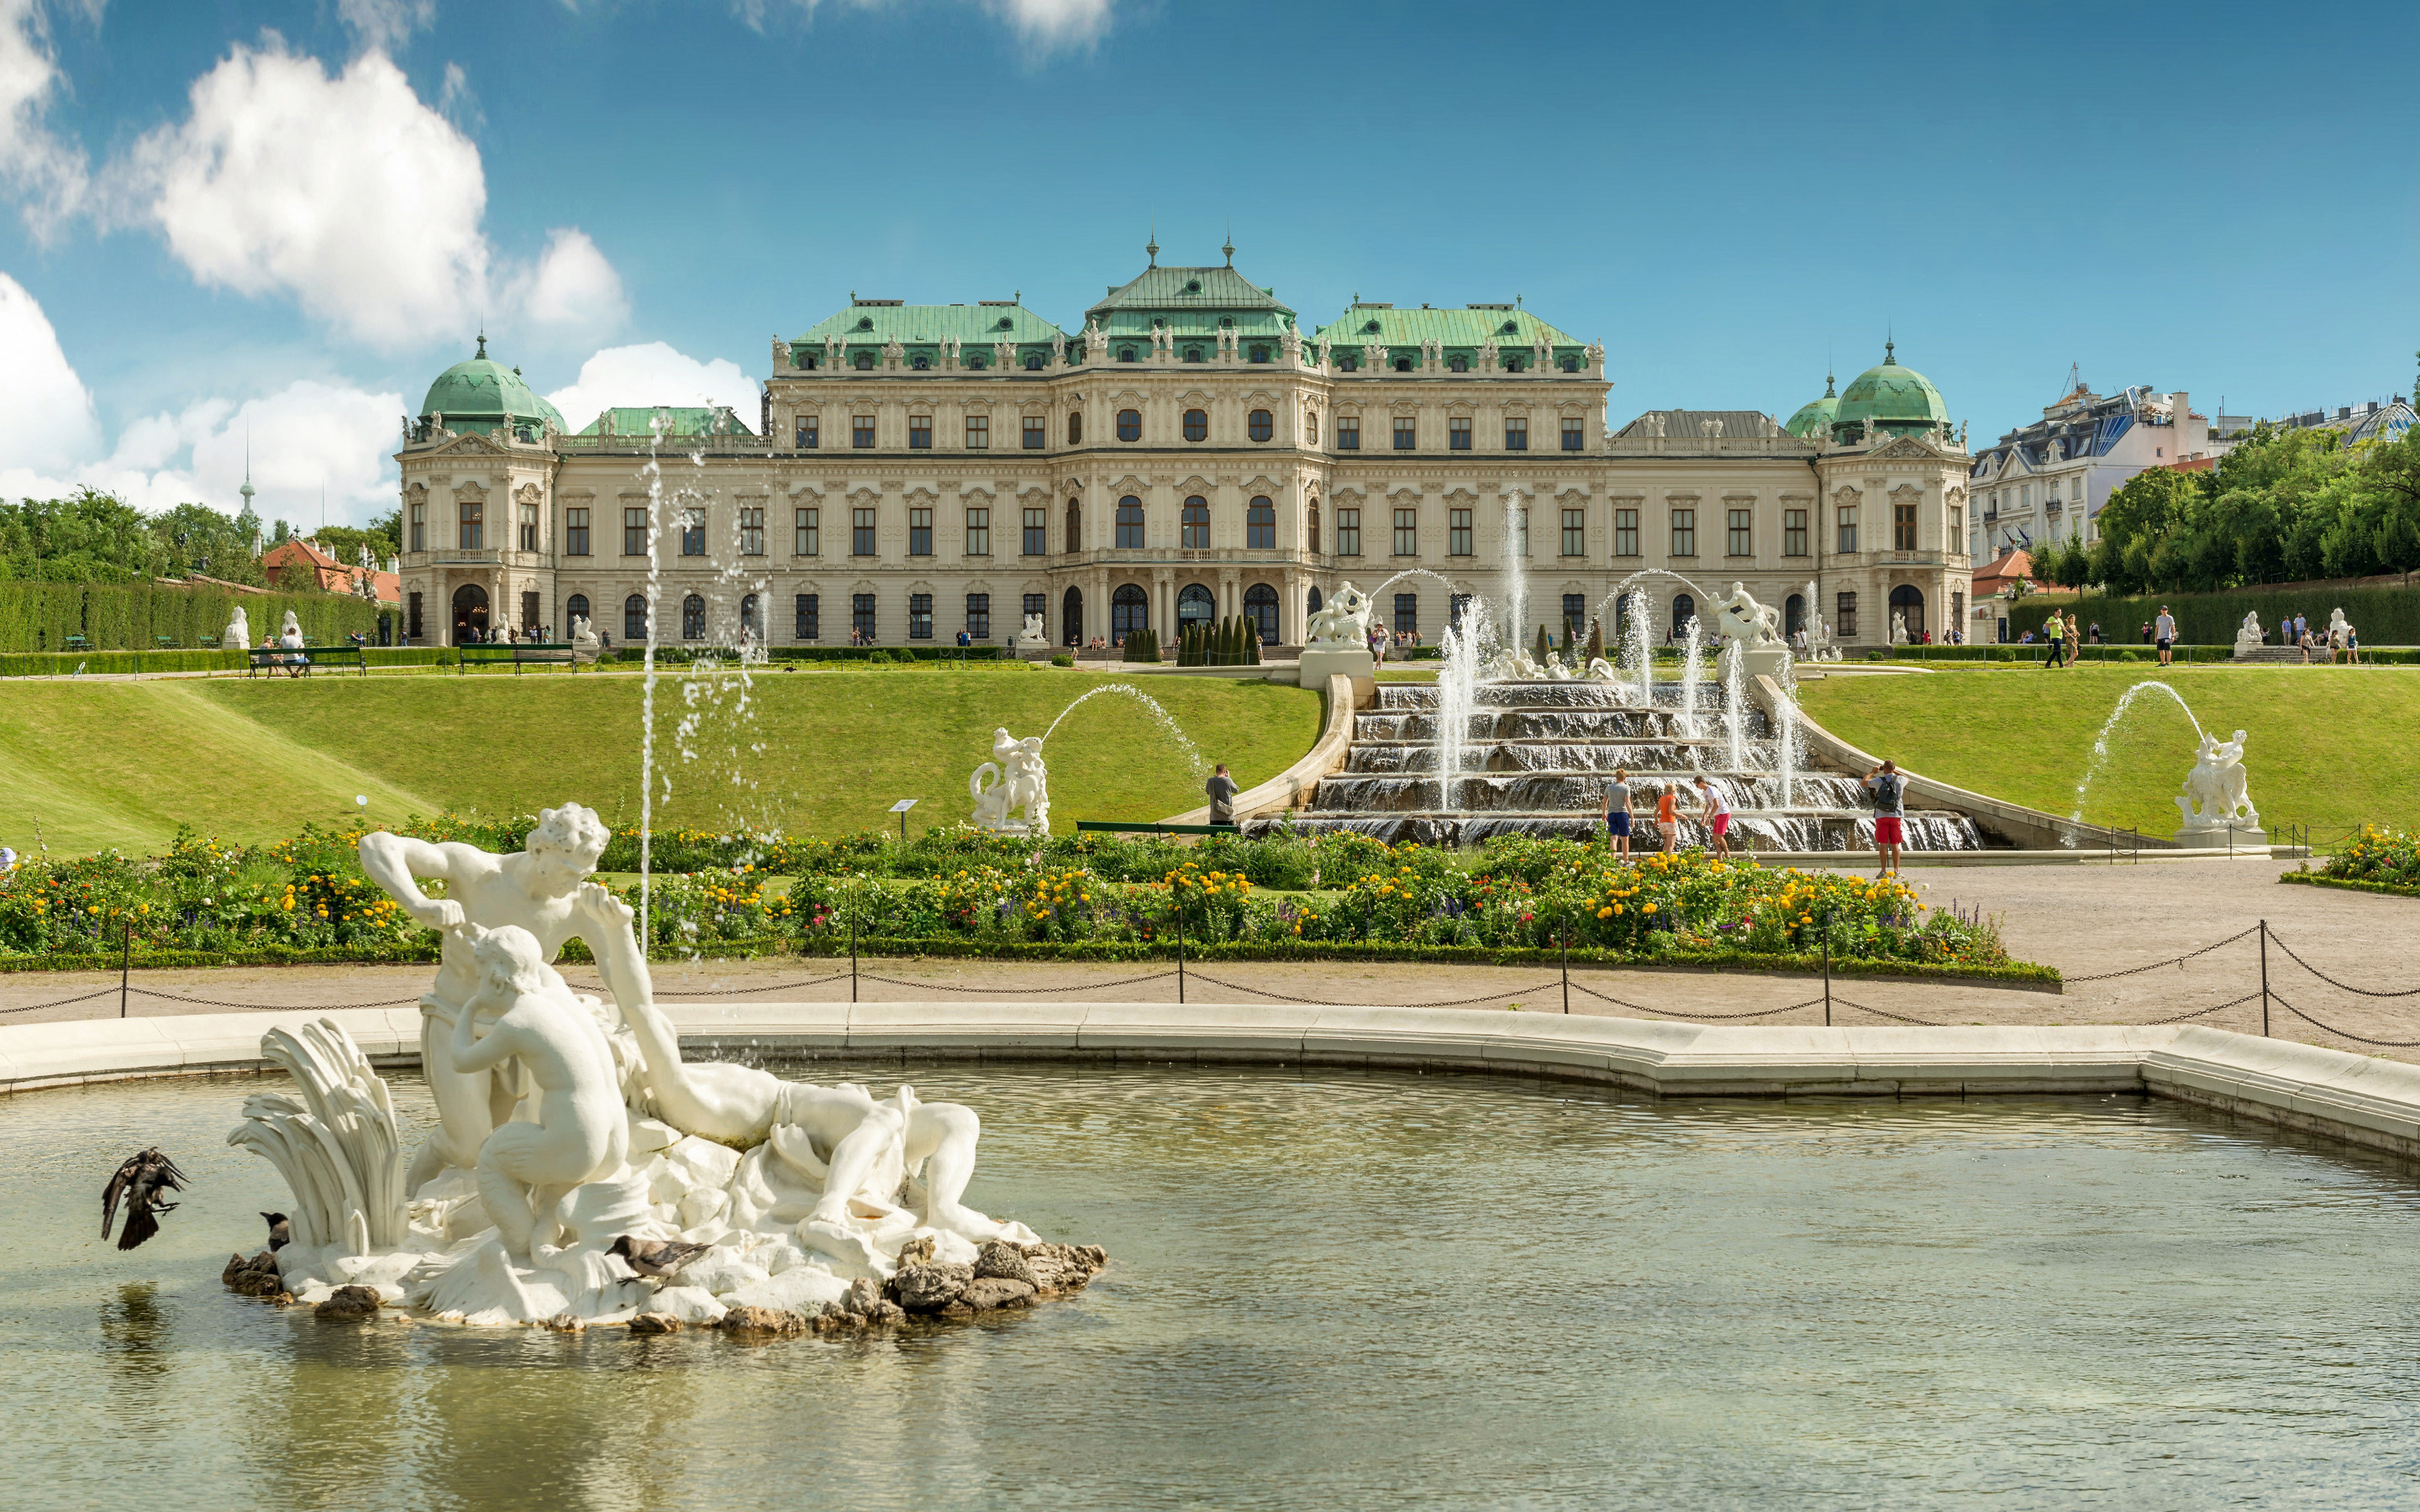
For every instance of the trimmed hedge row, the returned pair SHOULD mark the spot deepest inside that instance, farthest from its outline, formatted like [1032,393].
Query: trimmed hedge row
[40,616]
[93,663]
[2319,879]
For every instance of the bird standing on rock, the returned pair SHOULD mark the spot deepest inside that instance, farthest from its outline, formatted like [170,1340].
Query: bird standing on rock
[142,1180]
[656,1258]
[281,1233]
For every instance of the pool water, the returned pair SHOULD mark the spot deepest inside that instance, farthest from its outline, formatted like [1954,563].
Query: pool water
[1327,1289]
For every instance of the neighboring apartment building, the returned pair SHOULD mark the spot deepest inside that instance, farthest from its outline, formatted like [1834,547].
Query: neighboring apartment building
[1189,453]
[2372,420]
[2037,486]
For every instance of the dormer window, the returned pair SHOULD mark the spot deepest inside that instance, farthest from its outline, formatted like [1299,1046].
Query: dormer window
[809,363]
[1194,354]
[865,361]
[1512,364]
[1370,327]
[1226,322]
[1349,363]
[1510,327]
[978,362]
[1260,354]
[1571,365]
[1403,364]
[1034,362]
[865,322]
[1193,285]
[1458,363]
[1125,354]
[1005,324]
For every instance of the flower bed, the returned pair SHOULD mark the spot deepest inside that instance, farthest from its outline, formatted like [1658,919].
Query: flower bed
[2385,857]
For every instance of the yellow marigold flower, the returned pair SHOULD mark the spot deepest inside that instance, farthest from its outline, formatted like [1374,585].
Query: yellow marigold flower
[1648,909]
[1604,913]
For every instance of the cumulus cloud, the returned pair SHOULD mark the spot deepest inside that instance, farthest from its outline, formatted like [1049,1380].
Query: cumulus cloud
[573,289]
[651,373]
[385,25]
[47,174]
[305,436]
[1044,25]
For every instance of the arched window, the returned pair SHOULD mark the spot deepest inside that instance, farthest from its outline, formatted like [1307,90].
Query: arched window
[1312,520]
[1262,428]
[865,361]
[749,624]
[1070,617]
[1317,603]
[1129,610]
[692,618]
[1684,608]
[1195,525]
[1075,526]
[1571,365]
[1075,426]
[1195,606]
[1129,424]
[1793,614]
[1125,354]
[1260,604]
[1458,363]
[1907,602]
[634,618]
[575,607]
[1260,526]
[1311,427]
[977,362]
[1403,364]
[1130,523]
[1197,425]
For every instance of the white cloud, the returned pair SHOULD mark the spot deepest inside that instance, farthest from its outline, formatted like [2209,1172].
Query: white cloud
[48,175]
[1044,25]
[572,289]
[652,373]
[307,435]
[385,25]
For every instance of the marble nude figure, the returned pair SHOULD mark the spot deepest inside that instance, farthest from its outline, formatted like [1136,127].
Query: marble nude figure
[568,1123]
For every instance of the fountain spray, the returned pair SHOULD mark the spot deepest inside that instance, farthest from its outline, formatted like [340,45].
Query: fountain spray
[1692,669]
[1641,654]
[1735,708]
[1457,688]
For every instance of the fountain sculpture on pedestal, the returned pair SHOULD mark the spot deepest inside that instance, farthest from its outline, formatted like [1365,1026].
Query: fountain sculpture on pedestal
[1019,781]
[1336,643]
[2216,807]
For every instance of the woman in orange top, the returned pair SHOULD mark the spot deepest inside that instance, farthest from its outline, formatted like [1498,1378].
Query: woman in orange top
[1667,818]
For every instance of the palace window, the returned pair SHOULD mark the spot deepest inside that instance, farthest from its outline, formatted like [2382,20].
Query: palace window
[809,433]
[1311,427]
[1037,530]
[919,433]
[1197,425]
[1571,436]
[1847,539]
[1403,364]
[634,618]
[1794,533]
[1407,533]
[693,618]
[1194,526]
[1129,424]
[470,525]
[1075,426]
[1625,533]
[574,608]
[411,625]
[1457,364]
[1034,362]
[1958,523]
[1684,532]
[919,533]
[1349,362]
[1740,545]
[920,616]
[1312,519]
[1125,354]
[1261,607]
[692,532]
[978,531]
[1348,532]
[1408,433]
[749,627]
[978,617]
[860,430]
[1261,424]
[860,616]
[807,538]
[1574,615]
[1902,527]
[1260,526]
[1512,364]
[922,361]
[810,617]
[864,361]
[1348,433]
[1457,533]
[1075,526]
[1194,354]
[1037,433]
[634,532]
[1571,365]
[1575,532]
[1407,613]
[419,528]
[529,527]
[1260,354]
[575,532]
[1516,433]
[1458,433]
[978,433]
[1844,617]
[752,532]
[861,533]
[1130,523]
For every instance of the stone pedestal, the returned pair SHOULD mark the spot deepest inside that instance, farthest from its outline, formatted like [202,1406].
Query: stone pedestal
[1029,650]
[1320,663]
[2248,837]
[1764,661]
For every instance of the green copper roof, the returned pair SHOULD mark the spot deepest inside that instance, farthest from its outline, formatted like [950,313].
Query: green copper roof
[912,325]
[480,395]
[1464,329]
[1899,399]
[1194,304]
[1814,417]
[677,420]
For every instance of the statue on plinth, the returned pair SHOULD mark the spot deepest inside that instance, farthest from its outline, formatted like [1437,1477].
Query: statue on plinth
[2215,803]
[1019,781]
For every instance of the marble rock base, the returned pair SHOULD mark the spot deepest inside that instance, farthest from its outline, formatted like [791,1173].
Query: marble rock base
[1320,663]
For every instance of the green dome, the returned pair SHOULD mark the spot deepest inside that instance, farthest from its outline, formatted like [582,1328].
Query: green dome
[1814,418]
[481,394]
[1899,399]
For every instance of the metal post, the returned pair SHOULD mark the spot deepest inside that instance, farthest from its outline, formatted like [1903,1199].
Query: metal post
[1827,971]
[1178,892]
[2264,979]
[852,954]
[125,963]
[1567,962]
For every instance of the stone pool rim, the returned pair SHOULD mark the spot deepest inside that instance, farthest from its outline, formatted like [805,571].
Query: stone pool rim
[2359,1100]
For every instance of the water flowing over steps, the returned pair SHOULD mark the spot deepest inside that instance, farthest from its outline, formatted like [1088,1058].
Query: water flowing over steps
[1534,759]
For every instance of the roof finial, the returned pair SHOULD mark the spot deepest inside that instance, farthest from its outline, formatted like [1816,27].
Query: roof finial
[1889,346]
[483,340]
[1230,248]
[1151,247]
[246,489]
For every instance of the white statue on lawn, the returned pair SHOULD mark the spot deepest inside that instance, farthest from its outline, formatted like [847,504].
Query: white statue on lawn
[1899,628]
[1031,635]
[567,1124]
[1342,621]
[2249,636]
[238,634]
[1019,781]
[2215,798]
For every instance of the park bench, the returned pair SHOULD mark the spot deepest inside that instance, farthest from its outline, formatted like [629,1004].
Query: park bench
[520,653]
[274,659]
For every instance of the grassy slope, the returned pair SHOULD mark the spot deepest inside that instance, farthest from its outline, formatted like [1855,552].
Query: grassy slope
[120,763]
[2324,747]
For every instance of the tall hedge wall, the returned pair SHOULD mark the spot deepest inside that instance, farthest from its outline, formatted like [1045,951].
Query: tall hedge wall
[39,616]
[2382,616]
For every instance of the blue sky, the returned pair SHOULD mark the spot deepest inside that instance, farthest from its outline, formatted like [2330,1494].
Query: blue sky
[284,219]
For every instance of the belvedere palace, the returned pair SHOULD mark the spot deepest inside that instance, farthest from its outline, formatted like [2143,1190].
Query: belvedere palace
[1189,452]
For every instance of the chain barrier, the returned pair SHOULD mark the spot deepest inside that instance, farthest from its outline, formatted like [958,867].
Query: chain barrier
[1071,987]
[2172,961]
[1321,1002]
[2348,1034]
[1670,1013]
[60,1002]
[2344,986]
[1838,1001]
[2199,1013]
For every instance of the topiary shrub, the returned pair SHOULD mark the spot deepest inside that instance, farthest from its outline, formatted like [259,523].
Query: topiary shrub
[1142,646]
[1063,660]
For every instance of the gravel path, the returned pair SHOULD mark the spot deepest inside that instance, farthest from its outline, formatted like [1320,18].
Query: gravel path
[2085,920]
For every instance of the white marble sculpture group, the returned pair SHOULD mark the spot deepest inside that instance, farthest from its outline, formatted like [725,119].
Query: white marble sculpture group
[2216,806]
[566,1122]
[1018,783]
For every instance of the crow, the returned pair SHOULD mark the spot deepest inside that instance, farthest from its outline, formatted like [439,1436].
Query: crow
[657,1258]
[142,1180]
[280,1233]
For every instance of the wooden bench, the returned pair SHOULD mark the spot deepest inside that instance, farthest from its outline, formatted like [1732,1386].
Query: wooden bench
[275,659]
[520,653]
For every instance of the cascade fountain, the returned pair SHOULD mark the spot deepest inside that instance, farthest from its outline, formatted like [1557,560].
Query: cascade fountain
[1692,672]
[1734,710]
[1638,650]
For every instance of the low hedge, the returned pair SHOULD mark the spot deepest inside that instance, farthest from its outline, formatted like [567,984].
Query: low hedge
[93,663]
[2320,879]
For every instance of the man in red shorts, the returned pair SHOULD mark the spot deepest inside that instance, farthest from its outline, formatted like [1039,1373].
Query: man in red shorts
[1890,808]
[1717,813]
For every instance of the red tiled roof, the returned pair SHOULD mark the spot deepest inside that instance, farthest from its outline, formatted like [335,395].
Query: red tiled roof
[1999,572]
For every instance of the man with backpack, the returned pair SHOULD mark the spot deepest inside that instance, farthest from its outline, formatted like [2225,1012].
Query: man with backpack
[1889,788]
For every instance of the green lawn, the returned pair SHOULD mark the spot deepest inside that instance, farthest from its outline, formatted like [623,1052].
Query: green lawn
[822,753]
[2324,747]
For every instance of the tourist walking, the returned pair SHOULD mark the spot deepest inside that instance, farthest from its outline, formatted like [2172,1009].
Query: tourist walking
[1616,811]
[2074,636]
[2164,631]
[1221,789]
[1668,817]
[2054,631]
[1717,813]
[1890,808]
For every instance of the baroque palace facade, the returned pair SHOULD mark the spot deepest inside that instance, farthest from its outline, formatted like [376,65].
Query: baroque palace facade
[1189,453]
